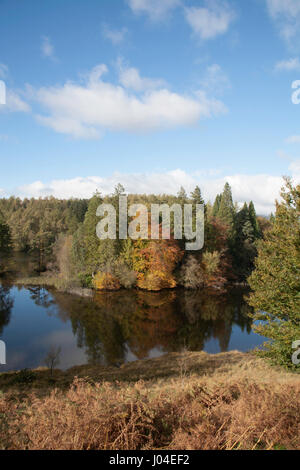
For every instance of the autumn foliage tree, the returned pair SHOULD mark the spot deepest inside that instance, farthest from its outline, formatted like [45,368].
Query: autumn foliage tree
[106,281]
[155,261]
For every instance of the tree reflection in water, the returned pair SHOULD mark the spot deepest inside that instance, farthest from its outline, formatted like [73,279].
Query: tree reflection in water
[6,305]
[113,323]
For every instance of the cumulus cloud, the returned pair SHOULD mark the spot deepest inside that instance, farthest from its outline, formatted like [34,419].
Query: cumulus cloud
[47,48]
[210,21]
[263,189]
[289,65]
[11,100]
[155,9]
[286,14]
[14,103]
[290,8]
[130,78]
[295,169]
[115,36]
[86,110]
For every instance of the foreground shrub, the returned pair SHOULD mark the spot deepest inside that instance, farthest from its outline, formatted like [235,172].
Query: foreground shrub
[181,414]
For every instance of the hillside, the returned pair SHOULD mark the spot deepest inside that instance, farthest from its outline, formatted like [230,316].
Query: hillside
[178,401]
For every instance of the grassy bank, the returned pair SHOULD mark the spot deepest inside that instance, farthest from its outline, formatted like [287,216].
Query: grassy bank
[179,401]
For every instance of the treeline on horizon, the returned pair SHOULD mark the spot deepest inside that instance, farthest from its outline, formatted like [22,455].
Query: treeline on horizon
[62,233]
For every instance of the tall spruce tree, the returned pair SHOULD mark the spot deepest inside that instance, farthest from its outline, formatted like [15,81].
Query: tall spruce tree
[254,221]
[196,196]
[226,209]
[91,242]
[216,206]
[275,282]
[5,236]
[243,248]
[182,196]
[5,243]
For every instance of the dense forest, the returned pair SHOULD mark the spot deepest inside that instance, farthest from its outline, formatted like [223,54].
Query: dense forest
[62,235]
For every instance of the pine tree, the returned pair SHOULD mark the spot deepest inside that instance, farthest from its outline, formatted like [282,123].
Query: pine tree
[90,240]
[254,221]
[5,242]
[119,190]
[242,244]
[196,196]
[182,196]
[216,206]
[276,279]
[226,209]
[5,236]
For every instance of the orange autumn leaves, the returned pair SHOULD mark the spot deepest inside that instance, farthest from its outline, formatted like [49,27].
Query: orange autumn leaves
[155,261]
[106,281]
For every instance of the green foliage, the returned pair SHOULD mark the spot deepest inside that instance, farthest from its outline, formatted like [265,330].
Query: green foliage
[86,280]
[25,376]
[226,209]
[216,206]
[90,241]
[243,248]
[5,238]
[5,242]
[211,262]
[254,221]
[35,224]
[63,235]
[276,280]
[182,196]
[196,196]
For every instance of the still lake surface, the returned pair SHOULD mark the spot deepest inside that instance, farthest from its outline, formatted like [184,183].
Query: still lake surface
[121,326]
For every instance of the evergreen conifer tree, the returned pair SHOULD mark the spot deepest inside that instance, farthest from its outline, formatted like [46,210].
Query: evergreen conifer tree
[275,282]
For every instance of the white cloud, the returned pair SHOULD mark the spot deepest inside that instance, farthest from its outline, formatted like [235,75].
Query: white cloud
[114,35]
[288,7]
[130,78]
[14,103]
[263,189]
[286,14]
[86,110]
[3,70]
[215,80]
[210,21]
[295,168]
[47,48]
[293,139]
[289,65]
[155,9]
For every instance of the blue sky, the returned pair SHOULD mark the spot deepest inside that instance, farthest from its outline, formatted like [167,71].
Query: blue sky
[152,93]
